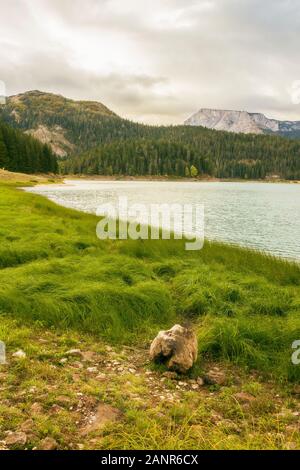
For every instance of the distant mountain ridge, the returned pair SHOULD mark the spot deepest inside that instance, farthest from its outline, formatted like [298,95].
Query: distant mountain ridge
[243,122]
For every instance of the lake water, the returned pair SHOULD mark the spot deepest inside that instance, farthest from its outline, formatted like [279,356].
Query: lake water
[259,215]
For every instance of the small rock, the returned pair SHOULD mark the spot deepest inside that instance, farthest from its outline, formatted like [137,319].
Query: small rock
[63,360]
[88,356]
[215,377]
[27,425]
[77,365]
[48,444]
[244,397]
[101,376]
[19,354]
[92,370]
[76,377]
[230,426]
[195,386]
[36,408]
[55,408]
[116,363]
[16,439]
[63,400]
[104,414]
[200,381]
[216,417]
[74,352]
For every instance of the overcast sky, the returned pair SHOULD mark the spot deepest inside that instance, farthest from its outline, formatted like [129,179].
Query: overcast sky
[156,61]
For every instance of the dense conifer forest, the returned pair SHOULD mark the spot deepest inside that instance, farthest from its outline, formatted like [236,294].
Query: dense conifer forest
[22,153]
[185,152]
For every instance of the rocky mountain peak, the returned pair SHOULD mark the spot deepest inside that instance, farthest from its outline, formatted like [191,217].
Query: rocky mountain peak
[241,122]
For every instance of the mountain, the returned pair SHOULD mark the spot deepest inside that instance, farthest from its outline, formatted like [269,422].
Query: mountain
[55,120]
[243,122]
[91,139]
[23,153]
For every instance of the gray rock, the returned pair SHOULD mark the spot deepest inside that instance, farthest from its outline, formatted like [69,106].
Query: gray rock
[215,377]
[200,381]
[92,370]
[177,347]
[18,438]
[74,352]
[244,397]
[19,354]
[48,444]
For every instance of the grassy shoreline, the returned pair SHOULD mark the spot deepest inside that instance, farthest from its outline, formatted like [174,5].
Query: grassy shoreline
[58,281]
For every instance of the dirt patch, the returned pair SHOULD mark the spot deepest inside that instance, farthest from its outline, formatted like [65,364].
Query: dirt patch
[104,415]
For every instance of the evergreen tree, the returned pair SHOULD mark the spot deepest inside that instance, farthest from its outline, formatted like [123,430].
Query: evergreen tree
[23,153]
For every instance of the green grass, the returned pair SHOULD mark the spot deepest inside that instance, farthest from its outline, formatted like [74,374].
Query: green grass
[54,271]
[209,418]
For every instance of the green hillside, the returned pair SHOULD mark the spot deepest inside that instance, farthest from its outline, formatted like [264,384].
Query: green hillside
[213,153]
[94,140]
[66,125]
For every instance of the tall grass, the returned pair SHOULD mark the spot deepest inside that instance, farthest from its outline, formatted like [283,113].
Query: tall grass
[54,270]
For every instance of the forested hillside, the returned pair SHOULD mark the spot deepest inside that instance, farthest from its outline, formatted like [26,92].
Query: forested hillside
[22,153]
[186,153]
[92,139]
[67,126]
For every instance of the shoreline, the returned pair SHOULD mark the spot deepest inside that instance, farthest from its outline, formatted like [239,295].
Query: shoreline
[248,247]
[36,178]
[174,179]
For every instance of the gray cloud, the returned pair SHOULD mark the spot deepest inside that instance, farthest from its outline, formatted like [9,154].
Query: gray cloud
[156,61]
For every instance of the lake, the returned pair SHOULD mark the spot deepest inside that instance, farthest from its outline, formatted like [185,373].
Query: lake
[259,215]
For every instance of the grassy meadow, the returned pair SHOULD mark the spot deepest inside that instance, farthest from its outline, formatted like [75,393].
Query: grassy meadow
[58,279]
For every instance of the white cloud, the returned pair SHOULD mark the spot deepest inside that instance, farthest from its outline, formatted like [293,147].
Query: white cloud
[156,61]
